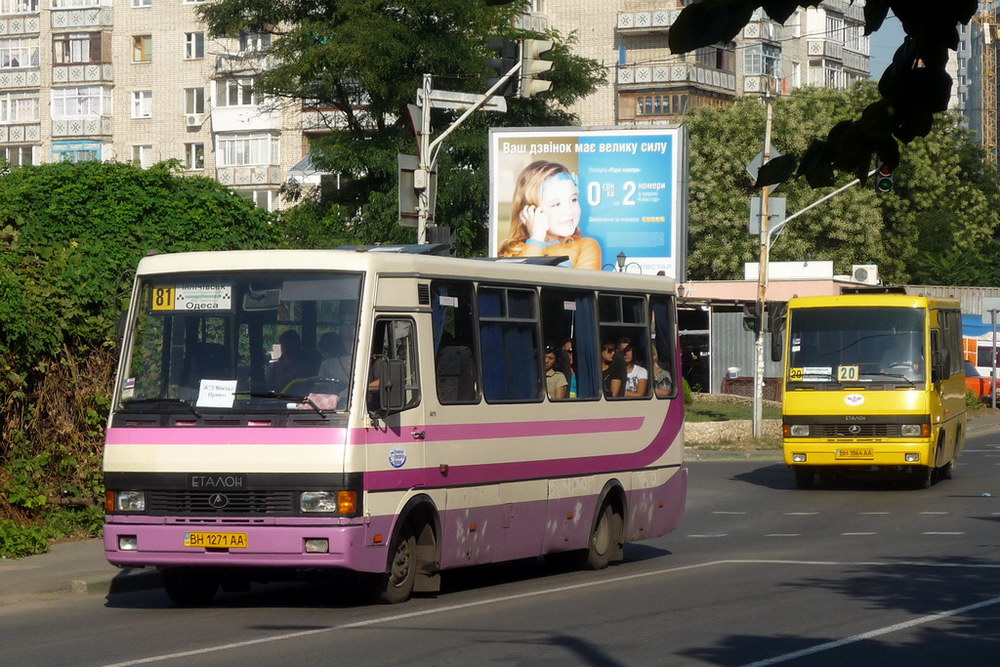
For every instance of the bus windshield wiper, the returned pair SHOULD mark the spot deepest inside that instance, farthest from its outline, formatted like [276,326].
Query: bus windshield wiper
[298,398]
[890,375]
[130,402]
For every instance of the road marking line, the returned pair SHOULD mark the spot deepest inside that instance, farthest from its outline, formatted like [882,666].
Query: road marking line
[859,533]
[873,633]
[783,535]
[941,532]
[872,512]
[728,512]
[563,589]
[710,535]
[935,512]
[801,513]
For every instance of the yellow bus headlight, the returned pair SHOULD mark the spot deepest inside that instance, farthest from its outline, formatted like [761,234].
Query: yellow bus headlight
[798,430]
[913,430]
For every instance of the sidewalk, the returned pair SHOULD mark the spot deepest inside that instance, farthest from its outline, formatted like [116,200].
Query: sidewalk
[79,568]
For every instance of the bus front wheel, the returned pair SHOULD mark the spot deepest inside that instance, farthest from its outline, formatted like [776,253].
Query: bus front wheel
[396,585]
[804,478]
[189,586]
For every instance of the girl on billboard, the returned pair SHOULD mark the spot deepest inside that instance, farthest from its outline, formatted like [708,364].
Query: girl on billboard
[545,218]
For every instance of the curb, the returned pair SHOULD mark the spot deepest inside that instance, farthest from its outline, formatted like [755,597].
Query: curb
[126,581]
[696,454]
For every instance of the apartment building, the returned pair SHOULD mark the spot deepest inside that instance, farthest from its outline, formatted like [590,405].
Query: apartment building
[818,46]
[140,80]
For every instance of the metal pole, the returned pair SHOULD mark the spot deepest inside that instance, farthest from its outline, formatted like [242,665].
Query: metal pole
[758,376]
[993,354]
[777,228]
[424,193]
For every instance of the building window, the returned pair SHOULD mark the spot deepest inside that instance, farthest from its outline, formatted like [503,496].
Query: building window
[234,93]
[82,102]
[194,156]
[75,151]
[142,3]
[142,48]
[142,104]
[194,45]
[835,27]
[254,41]
[720,56]
[15,53]
[762,60]
[194,100]
[143,156]
[18,7]
[19,108]
[661,105]
[833,75]
[76,48]
[266,199]
[73,4]
[17,156]
[239,150]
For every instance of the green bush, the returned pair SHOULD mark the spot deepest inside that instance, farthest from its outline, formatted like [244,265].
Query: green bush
[688,396]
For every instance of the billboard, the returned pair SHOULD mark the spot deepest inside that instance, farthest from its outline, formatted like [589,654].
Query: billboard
[594,196]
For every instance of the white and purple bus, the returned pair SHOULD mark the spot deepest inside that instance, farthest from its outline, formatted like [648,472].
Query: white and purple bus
[292,412]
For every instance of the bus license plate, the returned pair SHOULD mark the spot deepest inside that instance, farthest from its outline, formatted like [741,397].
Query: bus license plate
[216,540]
[855,453]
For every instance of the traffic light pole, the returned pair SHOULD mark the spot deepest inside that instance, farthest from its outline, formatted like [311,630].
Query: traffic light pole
[765,242]
[429,149]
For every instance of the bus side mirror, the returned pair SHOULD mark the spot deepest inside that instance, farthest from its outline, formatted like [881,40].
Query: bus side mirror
[776,315]
[386,391]
[937,366]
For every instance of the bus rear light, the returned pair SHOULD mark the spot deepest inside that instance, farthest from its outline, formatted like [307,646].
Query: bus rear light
[347,502]
[317,545]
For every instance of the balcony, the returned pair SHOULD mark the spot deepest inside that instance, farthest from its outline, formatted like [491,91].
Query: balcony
[857,61]
[323,120]
[89,73]
[23,77]
[532,22]
[244,176]
[249,62]
[646,23]
[762,31]
[825,48]
[20,24]
[245,119]
[99,126]
[21,133]
[642,76]
[78,19]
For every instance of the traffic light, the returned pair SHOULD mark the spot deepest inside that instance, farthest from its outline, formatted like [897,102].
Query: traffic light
[751,319]
[532,65]
[503,62]
[883,177]
[777,314]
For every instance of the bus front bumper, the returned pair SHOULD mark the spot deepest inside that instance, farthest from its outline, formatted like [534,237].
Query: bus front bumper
[808,452]
[164,544]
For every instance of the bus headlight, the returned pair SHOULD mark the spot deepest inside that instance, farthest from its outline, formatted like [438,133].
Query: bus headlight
[911,430]
[342,502]
[130,501]
[318,501]
[799,430]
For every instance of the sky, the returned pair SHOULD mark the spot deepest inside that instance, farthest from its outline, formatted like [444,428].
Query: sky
[883,43]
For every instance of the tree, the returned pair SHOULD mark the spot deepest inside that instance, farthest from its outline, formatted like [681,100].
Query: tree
[364,60]
[913,88]
[913,233]
[70,238]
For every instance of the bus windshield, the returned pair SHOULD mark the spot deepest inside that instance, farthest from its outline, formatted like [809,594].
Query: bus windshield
[862,344]
[243,342]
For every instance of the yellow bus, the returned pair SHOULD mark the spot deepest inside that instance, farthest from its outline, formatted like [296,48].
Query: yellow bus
[873,381]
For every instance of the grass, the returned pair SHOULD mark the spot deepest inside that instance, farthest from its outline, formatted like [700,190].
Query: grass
[707,411]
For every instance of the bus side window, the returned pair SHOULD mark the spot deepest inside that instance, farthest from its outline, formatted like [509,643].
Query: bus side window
[662,371]
[568,327]
[625,349]
[454,343]
[508,339]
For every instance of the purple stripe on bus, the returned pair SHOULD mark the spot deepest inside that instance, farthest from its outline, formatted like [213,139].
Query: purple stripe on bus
[486,431]
[458,475]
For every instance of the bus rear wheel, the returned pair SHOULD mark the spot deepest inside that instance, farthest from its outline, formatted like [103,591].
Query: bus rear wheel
[607,530]
[189,586]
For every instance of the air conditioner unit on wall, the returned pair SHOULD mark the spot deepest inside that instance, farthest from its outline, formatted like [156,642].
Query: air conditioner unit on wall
[865,273]
[195,119]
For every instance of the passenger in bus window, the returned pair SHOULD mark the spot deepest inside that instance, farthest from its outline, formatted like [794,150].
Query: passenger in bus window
[336,356]
[636,376]
[567,364]
[545,218]
[612,369]
[663,384]
[555,382]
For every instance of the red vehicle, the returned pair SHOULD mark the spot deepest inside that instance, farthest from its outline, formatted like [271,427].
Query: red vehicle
[976,383]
